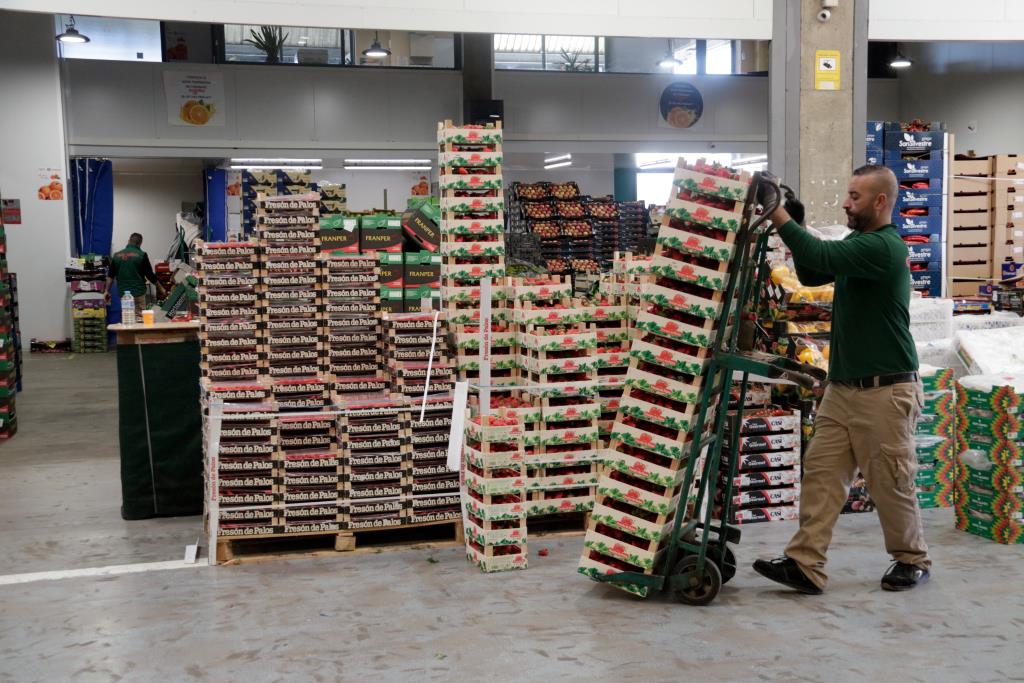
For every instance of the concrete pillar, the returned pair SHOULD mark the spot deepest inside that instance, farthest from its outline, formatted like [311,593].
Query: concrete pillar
[826,116]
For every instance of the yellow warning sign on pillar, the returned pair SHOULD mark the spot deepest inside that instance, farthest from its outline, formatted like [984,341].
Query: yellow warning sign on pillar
[826,70]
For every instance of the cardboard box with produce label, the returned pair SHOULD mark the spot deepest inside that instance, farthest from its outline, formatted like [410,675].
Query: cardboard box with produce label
[422,222]
[373,240]
[392,272]
[343,239]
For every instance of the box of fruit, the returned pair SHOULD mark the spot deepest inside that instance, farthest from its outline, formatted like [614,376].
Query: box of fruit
[763,461]
[481,536]
[675,390]
[996,393]
[673,329]
[499,563]
[554,506]
[612,336]
[634,526]
[648,441]
[495,428]
[688,272]
[564,457]
[497,483]
[471,293]
[472,249]
[569,341]
[580,411]
[611,358]
[706,216]
[471,205]
[469,159]
[622,549]
[562,481]
[661,415]
[558,437]
[556,314]
[470,136]
[505,507]
[469,181]
[724,186]
[759,443]
[698,245]
[470,339]
[668,358]
[559,366]
[936,379]
[593,568]
[643,469]
[487,459]
[541,292]
[472,226]
[472,271]
[601,313]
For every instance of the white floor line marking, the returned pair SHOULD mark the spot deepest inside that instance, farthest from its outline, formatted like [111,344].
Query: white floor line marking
[111,570]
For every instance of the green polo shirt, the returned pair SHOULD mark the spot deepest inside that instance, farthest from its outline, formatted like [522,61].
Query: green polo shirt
[131,267]
[871,306]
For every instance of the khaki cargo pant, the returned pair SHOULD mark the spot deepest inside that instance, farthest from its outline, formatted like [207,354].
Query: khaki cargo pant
[871,430]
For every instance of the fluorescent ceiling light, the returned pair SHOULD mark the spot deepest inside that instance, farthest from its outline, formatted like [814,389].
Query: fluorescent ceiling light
[261,167]
[563,157]
[558,165]
[387,168]
[71,34]
[287,161]
[656,162]
[387,162]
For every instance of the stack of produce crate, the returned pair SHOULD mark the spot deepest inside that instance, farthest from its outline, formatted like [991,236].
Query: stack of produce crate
[295,298]
[310,476]
[610,321]
[14,326]
[86,276]
[935,439]
[1007,216]
[495,492]
[435,488]
[915,152]
[472,223]
[604,216]
[633,222]
[652,437]
[354,327]
[989,494]
[10,347]
[766,487]
[416,344]
[559,365]
[970,234]
[376,452]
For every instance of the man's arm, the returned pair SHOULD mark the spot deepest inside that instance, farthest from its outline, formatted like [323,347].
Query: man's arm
[812,278]
[868,258]
[147,272]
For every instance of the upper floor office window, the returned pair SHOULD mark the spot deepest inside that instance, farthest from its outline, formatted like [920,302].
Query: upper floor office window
[136,40]
[537,52]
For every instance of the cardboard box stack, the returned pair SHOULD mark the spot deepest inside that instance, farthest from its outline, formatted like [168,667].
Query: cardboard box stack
[310,474]
[295,300]
[86,276]
[421,280]
[353,322]
[435,489]
[935,439]
[970,234]
[417,345]
[1007,216]
[766,487]
[652,437]
[376,452]
[916,154]
[990,472]
[495,492]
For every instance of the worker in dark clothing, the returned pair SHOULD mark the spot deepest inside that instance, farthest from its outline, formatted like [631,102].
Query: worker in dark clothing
[132,269]
[867,415]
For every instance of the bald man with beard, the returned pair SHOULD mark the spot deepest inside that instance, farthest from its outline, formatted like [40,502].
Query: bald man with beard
[867,415]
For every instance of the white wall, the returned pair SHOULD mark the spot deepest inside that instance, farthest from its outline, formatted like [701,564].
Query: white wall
[365,189]
[31,137]
[147,195]
[915,20]
[750,19]
[974,88]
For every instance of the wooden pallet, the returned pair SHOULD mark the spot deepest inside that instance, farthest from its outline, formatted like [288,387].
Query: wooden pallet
[290,546]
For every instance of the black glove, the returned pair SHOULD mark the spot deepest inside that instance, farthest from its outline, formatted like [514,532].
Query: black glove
[795,208]
[768,190]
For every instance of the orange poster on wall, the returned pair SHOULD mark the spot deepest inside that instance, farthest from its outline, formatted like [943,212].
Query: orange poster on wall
[51,187]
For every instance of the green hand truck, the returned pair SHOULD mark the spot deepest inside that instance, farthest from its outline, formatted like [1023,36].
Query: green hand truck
[698,560]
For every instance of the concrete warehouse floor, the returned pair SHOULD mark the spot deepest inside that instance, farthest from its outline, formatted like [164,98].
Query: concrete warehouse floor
[399,616]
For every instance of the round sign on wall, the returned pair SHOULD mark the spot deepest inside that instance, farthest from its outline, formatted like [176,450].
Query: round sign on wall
[681,105]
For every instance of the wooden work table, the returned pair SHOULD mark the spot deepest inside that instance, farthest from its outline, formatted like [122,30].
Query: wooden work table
[163,332]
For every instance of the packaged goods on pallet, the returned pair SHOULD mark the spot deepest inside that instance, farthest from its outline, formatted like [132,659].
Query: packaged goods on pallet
[989,496]
[935,439]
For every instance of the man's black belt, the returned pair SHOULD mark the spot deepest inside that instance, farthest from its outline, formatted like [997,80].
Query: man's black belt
[879,380]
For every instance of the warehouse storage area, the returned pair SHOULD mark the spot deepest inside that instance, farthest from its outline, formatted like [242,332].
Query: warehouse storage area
[341,341]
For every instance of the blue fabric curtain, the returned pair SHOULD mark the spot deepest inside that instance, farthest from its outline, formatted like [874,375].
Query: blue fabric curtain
[92,196]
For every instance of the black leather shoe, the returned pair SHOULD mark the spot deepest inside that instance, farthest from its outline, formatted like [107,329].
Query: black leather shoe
[787,572]
[903,577]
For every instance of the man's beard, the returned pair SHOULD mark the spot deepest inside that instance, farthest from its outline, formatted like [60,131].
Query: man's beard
[857,222]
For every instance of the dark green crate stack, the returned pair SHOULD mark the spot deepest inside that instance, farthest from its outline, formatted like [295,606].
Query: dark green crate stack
[10,345]
[90,328]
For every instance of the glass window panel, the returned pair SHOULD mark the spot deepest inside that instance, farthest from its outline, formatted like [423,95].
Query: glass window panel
[719,57]
[685,50]
[135,40]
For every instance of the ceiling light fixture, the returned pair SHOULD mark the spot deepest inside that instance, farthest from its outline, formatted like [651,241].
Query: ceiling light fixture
[286,163]
[387,168]
[558,165]
[71,34]
[900,61]
[563,157]
[387,162]
[375,51]
[669,61]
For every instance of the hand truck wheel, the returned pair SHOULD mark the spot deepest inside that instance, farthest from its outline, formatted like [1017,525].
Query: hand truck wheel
[727,564]
[697,589]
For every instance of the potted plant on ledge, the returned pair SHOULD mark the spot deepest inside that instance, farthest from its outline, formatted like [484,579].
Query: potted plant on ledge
[270,40]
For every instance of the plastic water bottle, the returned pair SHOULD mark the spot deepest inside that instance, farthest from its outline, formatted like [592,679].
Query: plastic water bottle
[128,309]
